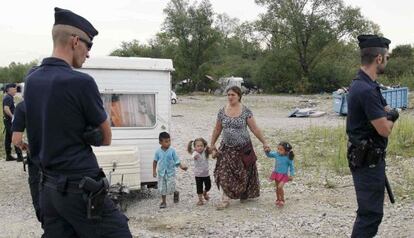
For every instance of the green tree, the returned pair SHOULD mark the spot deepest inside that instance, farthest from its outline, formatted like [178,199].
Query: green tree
[135,48]
[278,72]
[15,72]
[310,28]
[402,51]
[190,28]
[239,51]
[400,64]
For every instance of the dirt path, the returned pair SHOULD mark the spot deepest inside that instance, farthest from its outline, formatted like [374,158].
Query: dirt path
[312,210]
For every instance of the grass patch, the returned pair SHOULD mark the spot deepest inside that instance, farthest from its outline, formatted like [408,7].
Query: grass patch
[404,189]
[326,147]
[322,147]
[401,141]
[402,177]
[322,151]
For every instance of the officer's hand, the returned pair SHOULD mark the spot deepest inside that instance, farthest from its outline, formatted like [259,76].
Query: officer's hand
[393,115]
[154,174]
[387,108]
[25,147]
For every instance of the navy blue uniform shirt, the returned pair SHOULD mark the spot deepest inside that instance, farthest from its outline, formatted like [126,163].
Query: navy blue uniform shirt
[8,101]
[365,103]
[19,124]
[60,104]
[19,120]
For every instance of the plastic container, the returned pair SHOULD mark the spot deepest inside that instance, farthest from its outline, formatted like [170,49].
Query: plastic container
[396,98]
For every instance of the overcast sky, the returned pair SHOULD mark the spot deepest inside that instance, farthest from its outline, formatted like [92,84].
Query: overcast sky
[25,26]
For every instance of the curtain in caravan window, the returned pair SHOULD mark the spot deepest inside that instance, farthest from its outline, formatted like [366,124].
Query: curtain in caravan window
[130,110]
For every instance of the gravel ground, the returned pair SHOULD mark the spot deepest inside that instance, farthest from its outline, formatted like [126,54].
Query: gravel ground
[311,210]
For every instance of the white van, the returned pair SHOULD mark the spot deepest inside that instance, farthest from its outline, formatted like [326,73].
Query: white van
[136,93]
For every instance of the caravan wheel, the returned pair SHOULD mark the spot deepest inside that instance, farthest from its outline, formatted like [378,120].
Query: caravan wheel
[173,101]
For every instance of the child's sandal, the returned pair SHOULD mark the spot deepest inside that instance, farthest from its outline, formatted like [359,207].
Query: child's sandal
[163,205]
[205,195]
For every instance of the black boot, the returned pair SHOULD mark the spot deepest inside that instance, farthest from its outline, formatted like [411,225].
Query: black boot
[19,154]
[19,158]
[9,157]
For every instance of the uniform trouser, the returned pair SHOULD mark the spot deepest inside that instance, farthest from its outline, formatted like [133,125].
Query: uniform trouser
[369,187]
[34,180]
[64,215]
[8,139]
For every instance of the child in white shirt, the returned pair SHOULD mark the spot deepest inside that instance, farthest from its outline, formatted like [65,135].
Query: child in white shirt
[199,153]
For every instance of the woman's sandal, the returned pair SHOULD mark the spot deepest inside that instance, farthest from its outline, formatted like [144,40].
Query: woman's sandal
[243,198]
[200,203]
[223,205]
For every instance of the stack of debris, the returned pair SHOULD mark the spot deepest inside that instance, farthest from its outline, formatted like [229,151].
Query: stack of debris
[306,108]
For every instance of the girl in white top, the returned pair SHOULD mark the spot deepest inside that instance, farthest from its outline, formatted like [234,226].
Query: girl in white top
[199,153]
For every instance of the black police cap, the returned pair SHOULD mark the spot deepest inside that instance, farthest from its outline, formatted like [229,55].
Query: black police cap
[66,17]
[366,41]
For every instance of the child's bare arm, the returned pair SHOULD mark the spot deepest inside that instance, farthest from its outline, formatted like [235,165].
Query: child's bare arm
[154,169]
[197,156]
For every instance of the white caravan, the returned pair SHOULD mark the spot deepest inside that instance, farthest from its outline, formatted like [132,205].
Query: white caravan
[136,93]
[229,82]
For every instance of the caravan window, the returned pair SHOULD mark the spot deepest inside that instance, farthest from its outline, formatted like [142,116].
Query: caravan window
[130,110]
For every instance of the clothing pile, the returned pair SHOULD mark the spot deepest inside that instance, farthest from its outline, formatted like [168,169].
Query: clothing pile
[306,112]
[343,90]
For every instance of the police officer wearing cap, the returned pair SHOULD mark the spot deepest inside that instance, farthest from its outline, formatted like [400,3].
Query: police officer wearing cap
[8,111]
[18,127]
[60,104]
[369,124]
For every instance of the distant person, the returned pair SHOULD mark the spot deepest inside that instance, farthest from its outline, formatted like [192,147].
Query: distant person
[236,171]
[284,169]
[8,113]
[61,103]
[165,162]
[199,153]
[116,111]
[369,124]
[18,128]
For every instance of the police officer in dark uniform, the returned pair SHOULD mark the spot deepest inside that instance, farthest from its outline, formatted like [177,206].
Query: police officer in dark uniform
[369,123]
[61,103]
[8,111]
[18,127]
